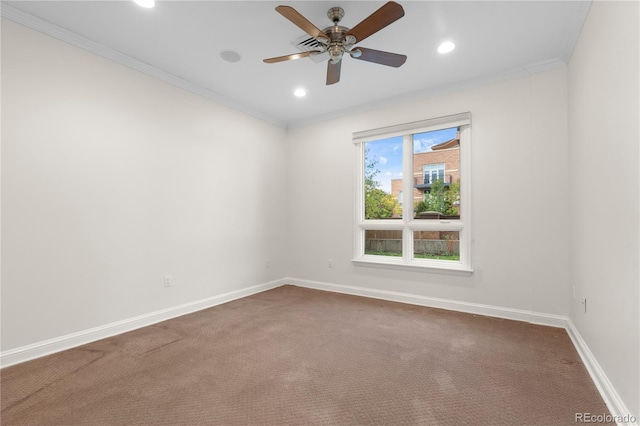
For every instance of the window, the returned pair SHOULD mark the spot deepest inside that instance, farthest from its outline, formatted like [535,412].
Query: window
[433,172]
[413,195]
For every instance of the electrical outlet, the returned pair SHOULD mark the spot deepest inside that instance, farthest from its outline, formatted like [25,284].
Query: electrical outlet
[267,263]
[584,302]
[167,280]
[330,263]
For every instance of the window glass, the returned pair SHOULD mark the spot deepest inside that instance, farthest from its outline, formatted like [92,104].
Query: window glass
[436,165]
[441,245]
[413,195]
[383,179]
[383,242]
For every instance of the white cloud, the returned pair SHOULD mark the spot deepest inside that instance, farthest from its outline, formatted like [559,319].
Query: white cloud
[388,174]
[383,160]
[423,145]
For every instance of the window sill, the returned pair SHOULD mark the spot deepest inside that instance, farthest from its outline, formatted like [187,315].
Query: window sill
[399,264]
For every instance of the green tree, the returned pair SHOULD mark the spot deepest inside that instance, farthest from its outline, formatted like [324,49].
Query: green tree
[440,199]
[370,172]
[435,200]
[453,199]
[377,203]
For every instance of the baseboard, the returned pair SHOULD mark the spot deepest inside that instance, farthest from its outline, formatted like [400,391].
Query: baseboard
[616,406]
[605,387]
[551,320]
[47,347]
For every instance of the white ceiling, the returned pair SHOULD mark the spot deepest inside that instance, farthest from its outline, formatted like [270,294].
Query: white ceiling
[181,41]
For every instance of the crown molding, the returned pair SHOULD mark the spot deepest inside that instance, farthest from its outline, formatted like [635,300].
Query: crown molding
[575,29]
[520,72]
[63,34]
[55,31]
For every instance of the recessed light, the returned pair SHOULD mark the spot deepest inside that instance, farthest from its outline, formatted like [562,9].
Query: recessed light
[300,93]
[148,4]
[446,47]
[230,55]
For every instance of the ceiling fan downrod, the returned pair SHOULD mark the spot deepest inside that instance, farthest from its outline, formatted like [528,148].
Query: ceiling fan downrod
[339,42]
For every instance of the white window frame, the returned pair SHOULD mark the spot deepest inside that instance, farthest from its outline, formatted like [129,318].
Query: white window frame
[408,225]
[431,167]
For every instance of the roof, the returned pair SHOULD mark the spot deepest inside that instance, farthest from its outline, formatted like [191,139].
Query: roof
[453,143]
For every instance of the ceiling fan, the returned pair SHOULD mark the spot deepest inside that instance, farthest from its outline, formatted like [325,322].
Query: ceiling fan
[338,40]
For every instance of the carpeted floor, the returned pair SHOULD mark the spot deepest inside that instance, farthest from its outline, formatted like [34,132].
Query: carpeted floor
[295,356]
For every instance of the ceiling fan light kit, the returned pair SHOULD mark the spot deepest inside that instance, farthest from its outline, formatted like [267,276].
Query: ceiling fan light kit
[446,47]
[337,40]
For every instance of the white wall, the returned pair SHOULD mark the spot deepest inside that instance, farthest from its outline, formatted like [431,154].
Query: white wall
[112,179]
[519,211]
[604,191]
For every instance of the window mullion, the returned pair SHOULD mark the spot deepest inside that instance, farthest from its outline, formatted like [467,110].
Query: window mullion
[407,188]
[359,202]
[465,194]
[439,239]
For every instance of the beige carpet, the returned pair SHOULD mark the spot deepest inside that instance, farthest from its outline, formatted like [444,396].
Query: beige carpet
[295,356]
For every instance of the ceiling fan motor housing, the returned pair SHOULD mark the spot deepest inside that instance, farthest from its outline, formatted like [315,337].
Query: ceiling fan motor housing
[337,40]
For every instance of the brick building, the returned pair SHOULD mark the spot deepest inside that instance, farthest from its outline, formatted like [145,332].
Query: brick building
[442,162]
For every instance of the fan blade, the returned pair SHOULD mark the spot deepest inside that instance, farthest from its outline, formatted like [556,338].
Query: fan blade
[379,19]
[380,57]
[333,72]
[289,57]
[303,23]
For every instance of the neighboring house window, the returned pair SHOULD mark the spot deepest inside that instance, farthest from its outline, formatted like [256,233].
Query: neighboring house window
[413,195]
[432,172]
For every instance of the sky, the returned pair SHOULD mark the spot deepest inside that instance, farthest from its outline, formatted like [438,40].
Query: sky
[388,153]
